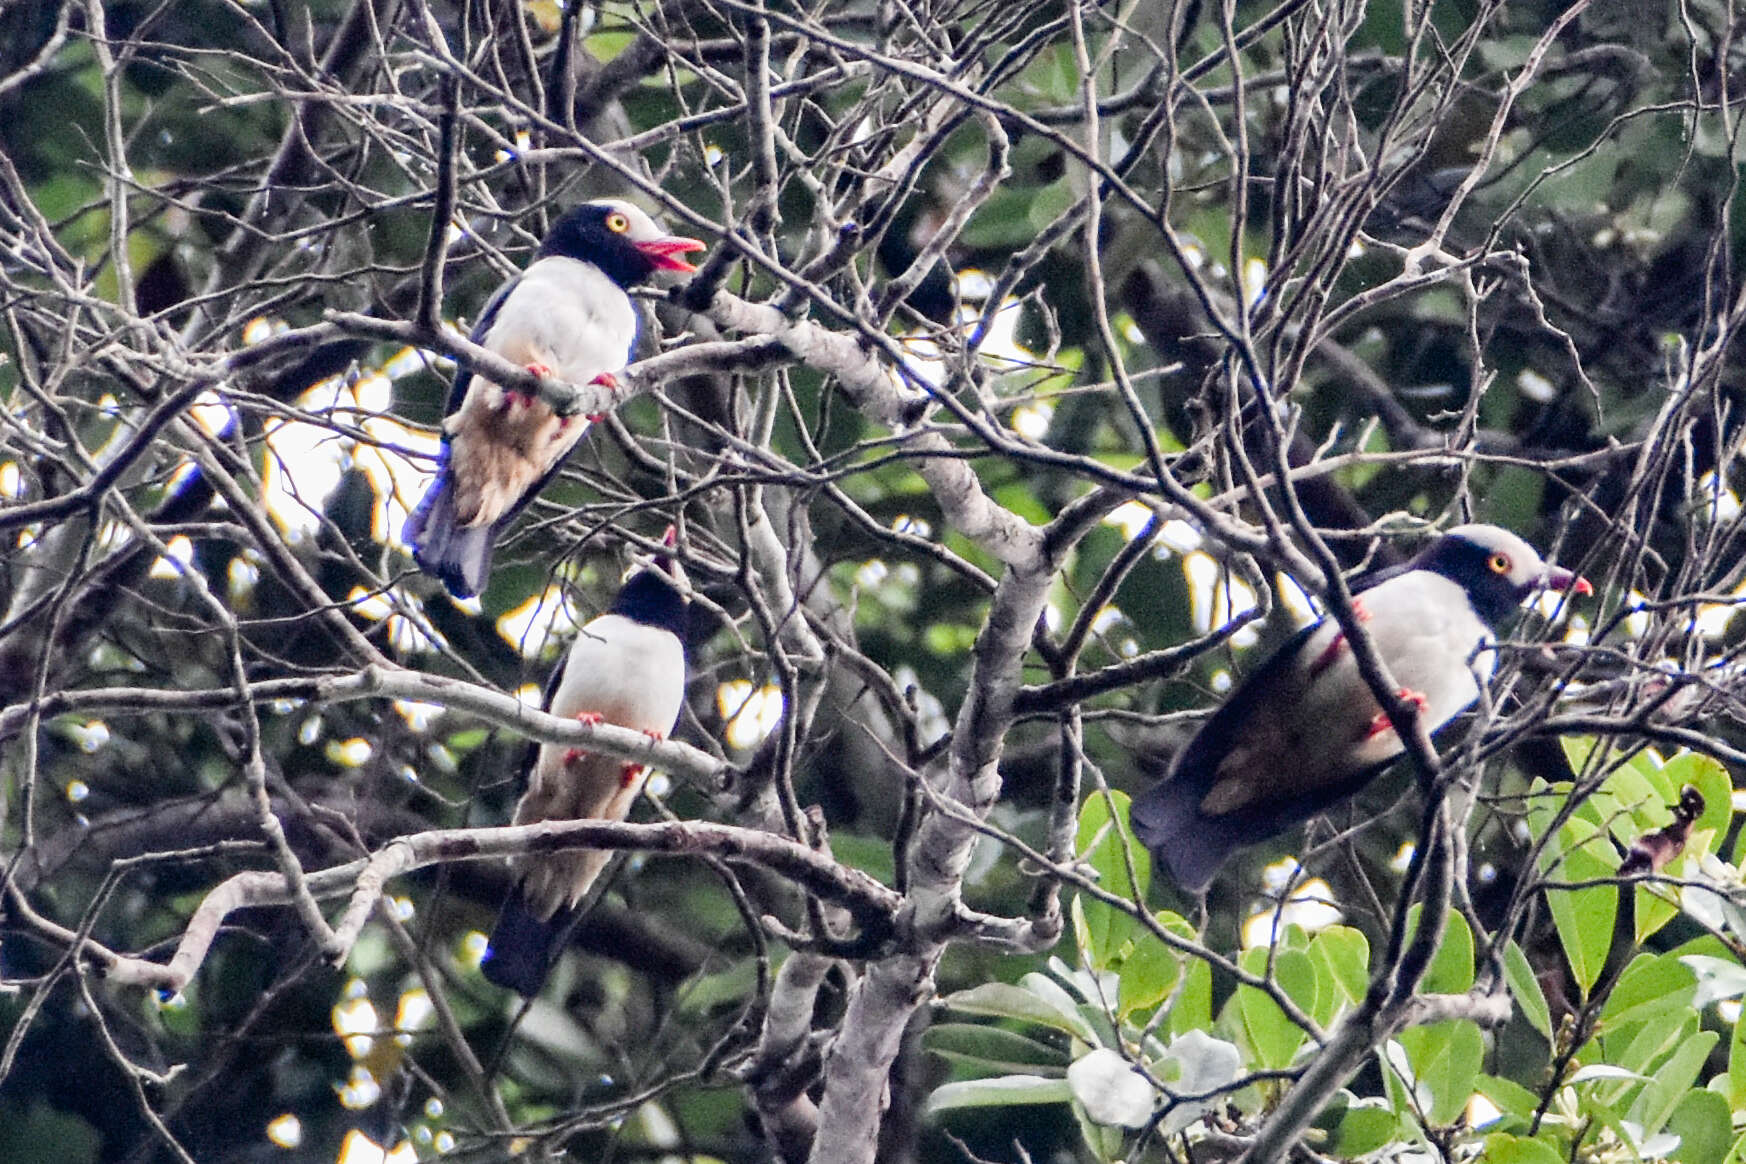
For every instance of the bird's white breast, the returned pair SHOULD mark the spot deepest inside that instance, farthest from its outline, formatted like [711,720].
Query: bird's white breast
[568,315]
[628,673]
[1425,629]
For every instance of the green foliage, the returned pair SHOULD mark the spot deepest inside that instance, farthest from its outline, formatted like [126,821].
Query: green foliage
[1124,868]
[1261,1024]
[1640,1079]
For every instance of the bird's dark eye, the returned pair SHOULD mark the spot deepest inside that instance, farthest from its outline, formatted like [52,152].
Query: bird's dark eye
[1499,563]
[617,223]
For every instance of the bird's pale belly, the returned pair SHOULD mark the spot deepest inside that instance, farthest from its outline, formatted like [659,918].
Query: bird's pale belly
[1432,651]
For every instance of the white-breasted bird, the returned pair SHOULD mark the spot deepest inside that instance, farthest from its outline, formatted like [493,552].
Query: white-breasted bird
[568,315]
[626,667]
[1305,730]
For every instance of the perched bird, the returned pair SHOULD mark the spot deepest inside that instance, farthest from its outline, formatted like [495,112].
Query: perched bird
[568,315]
[626,667]
[1305,730]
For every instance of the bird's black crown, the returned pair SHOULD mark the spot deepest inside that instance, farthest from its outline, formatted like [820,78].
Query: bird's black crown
[651,598]
[584,233]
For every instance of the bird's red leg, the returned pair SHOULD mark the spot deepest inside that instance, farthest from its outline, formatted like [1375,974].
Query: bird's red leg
[592,719]
[1381,722]
[1332,650]
[609,382]
[629,773]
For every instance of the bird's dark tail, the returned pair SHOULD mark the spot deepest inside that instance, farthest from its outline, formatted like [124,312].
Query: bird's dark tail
[1168,821]
[459,555]
[522,947]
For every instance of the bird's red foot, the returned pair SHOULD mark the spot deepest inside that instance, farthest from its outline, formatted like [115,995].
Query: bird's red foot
[655,735]
[609,382]
[1380,724]
[629,774]
[592,719]
[514,398]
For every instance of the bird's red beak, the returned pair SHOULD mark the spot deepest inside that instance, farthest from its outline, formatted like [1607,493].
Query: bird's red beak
[670,541]
[1561,579]
[666,251]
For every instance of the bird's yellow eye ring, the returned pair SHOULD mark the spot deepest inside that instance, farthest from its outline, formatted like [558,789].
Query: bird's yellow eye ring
[617,223]
[1499,563]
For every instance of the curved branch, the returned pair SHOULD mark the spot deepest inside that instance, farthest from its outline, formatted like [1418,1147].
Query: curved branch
[872,905]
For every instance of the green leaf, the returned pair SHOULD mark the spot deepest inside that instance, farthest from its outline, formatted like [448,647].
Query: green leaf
[1514,499]
[1151,969]
[1104,1143]
[1577,750]
[463,742]
[1647,1046]
[1365,1129]
[607,45]
[1583,917]
[1652,986]
[1272,1036]
[1001,1091]
[1004,1000]
[1737,1066]
[1703,1125]
[1106,844]
[1641,791]
[1516,1102]
[1656,905]
[1445,1058]
[1342,957]
[994,1049]
[734,983]
[1504,1149]
[1193,1009]
[1525,989]
[1672,1082]
[1451,969]
[1067,1001]
[1397,1076]
[1008,217]
[1710,778]
[1607,1071]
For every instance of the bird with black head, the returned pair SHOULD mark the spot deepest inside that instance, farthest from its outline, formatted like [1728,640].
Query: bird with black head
[568,315]
[626,667]
[1305,730]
